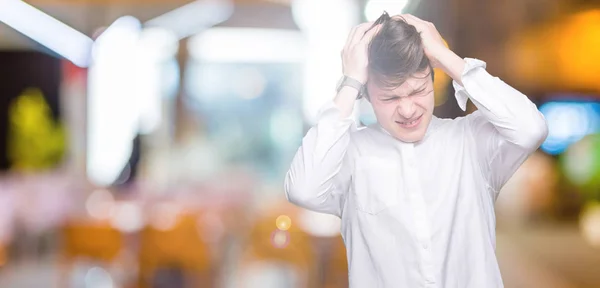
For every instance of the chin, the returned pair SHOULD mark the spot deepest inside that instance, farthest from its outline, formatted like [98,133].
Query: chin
[410,136]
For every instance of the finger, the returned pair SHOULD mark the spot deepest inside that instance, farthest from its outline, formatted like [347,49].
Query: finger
[414,20]
[374,26]
[399,16]
[359,33]
[413,17]
[370,34]
[350,37]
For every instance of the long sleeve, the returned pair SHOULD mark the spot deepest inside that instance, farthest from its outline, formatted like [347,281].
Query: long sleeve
[507,127]
[319,176]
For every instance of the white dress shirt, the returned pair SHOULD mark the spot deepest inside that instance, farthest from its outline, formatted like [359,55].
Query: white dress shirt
[422,214]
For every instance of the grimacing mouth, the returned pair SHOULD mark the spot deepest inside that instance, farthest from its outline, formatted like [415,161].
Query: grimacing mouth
[409,121]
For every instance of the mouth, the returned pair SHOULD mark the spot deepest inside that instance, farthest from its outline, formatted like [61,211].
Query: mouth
[410,123]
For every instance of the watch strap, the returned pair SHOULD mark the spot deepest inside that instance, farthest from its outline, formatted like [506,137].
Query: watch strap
[349,81]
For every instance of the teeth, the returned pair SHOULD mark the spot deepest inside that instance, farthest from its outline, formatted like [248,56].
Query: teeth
[409,123]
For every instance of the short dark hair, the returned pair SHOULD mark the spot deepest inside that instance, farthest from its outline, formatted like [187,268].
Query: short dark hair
[396,53]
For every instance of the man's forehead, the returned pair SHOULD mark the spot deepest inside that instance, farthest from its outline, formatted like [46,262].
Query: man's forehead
[414,83]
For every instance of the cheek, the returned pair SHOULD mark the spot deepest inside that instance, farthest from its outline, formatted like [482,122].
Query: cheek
[427,102]
[383,110]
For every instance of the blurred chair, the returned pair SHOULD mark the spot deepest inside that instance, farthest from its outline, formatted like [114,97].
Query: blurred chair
[96,241]
[99,241]
[3,256]
[178,250]
[336,265]
[273,249]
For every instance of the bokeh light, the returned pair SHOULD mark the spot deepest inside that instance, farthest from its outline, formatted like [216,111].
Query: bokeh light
[100,204]
[164,216]
[581,165]
[577,162]
[127,217]
[98,278]
[283,222]
[568,122]
[590,223]
[280,239]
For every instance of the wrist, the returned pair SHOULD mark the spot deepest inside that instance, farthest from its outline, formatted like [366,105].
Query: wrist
[452,64]
[345,101]
[352,83]
[356,76]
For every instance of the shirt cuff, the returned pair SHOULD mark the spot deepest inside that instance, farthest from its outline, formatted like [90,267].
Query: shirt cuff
[461,94]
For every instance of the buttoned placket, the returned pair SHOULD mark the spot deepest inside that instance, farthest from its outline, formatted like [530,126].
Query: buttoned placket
[419,210]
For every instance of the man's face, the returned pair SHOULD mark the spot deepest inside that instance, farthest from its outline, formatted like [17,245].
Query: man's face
[406,111]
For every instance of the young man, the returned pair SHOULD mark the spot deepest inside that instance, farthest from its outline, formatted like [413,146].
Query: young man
[415,193]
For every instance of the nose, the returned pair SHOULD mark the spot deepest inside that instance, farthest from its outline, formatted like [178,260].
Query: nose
[406,108]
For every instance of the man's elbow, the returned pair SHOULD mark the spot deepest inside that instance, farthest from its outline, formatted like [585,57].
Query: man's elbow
[293,191]
[534,134]
[299,193]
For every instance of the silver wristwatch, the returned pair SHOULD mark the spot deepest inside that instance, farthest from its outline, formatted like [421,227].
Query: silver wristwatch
[349,81]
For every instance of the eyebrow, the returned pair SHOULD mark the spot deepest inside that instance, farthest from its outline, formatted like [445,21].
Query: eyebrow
[419,90]
[416,91]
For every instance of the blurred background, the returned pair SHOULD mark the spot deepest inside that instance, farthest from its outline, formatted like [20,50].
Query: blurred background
[144,143]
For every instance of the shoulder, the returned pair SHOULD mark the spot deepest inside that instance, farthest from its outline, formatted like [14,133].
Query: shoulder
[467,122]
[364,134]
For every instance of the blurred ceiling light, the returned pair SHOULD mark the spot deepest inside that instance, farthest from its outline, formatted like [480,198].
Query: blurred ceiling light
[323,16]
[156,49]
[158,43]
[123,33]
[113,112]
[247,45]
[51,33]
[375,8]
[326,25]
[194,17]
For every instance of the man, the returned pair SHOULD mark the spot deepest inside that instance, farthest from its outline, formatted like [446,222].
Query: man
[415,193]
